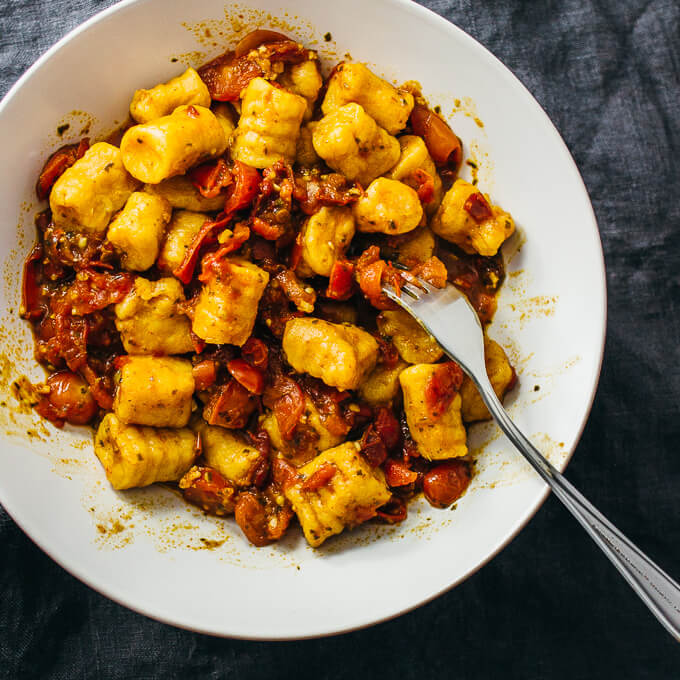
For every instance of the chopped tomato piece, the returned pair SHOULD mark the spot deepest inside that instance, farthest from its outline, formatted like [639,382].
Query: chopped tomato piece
[230,406]
[283,473]
[69,400]
[340,283]
[302,296]
[320,477]
[251,378]
[388,352]
[398,473]
[442,387]
[373,447]
[387,427]
[92,291]
[313,191]
[227,75]
[445,483]
[211,178]
[266,230]
[478,207]
[394,511]
[205,374]
[209,490]
[260,516]
[57,163]
[370,279]
[255,352]
[286,399]
[425,183]
[214,262]
[246,183]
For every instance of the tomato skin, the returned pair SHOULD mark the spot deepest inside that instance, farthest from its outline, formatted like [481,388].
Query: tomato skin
[442,387]
[211,178]
[283,473]
[260,517]
[230,406]
[92,291]
[248,376]
[205,374]
[425,183]
[209,490]
[373,447]
[445,483]
[31,307]
[246,184]
[226,75]
[393,512]
[387,427]
[320,477]
[398,473]
[255,352]
[57,163]
[256,38]
[340,282]
[69,400]
[478,207]
[288,409]
[441,142]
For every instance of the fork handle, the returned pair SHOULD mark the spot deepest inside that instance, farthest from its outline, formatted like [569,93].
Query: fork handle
[655,588]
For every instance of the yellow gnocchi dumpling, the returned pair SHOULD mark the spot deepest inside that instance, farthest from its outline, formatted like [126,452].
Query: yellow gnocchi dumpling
[305,80]
[414,247]
[388,207]
[341,355]
[170,145]
[351,493]
[181,194]
[227,452]
[388,106]
[437,438]
[381,387]
[154,391]
[352,143]
[227,304]
[310,437]
[149,321]
[137,231]
[163,99]
[325,237]
[414,344]
[225,114]
[501,376]
[456,222]
[305,155]
[88,193]
[269,125]
[415,156]
[180,233]
[135,456]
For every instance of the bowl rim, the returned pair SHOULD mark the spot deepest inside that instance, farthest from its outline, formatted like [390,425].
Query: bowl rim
[426,14]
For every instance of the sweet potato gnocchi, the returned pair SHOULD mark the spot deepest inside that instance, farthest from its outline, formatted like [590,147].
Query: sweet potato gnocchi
[208,294]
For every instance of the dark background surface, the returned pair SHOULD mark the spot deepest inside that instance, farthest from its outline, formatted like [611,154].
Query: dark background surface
[550,605]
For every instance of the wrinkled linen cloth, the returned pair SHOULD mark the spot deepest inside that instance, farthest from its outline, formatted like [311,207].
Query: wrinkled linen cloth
[550,605]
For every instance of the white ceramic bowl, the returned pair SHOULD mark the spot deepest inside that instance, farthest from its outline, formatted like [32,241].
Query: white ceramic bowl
[150,551]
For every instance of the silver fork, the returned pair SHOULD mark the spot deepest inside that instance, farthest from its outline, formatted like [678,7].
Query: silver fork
[448,316]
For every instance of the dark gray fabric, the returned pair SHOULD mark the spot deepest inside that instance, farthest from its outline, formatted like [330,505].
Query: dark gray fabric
[549,606]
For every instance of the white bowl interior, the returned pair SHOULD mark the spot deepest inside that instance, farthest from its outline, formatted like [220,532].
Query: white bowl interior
[148,549]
